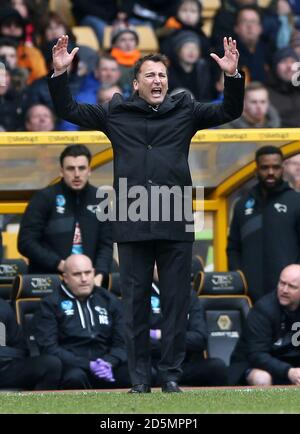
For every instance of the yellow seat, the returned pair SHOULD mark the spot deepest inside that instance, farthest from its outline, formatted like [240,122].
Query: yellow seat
[64,9]
[86,36]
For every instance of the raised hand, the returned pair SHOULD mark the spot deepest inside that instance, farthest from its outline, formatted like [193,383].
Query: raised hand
[229,62]
[61,58]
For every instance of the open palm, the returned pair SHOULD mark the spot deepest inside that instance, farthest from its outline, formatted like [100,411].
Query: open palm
[229,62]
[60,56]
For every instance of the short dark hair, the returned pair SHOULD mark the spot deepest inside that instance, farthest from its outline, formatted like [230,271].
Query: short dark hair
[75,151]
[157,57]
[268,150]
[6,41]
[254,8]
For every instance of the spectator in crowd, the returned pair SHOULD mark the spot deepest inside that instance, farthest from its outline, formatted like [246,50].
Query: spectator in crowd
[17,369]
[224,19]
[124,42]
[39,118]
[12,25]
[188,69]
[142,130]
[254,57]
[11,101]
[291,171]
[105,93]
[8,51]
[99,13]
[151,12]
[106,73]
[54,26]
[197,370]
[38,91]
[258,112]
[264,232]
[61,219]
[268,351]
[283,87]
[279,23]
[82,325]
[188,17]
[30,11]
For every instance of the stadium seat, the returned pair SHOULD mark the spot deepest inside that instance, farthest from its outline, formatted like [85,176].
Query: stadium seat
[64,9]
[9,269]
[26,294]
[197,266]
[86,36]
[223,296]
[148,42]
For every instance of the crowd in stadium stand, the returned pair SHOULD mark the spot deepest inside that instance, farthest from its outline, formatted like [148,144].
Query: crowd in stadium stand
[268,41]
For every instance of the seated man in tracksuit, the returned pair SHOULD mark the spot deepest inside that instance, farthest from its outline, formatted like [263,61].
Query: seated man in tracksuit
[82,325]
[268,351]
[17,369]
[197,371]
[61,220]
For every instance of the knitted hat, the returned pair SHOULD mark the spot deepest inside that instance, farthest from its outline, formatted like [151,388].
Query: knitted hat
[284,53]
[8,14]
[184,36]
[118,31]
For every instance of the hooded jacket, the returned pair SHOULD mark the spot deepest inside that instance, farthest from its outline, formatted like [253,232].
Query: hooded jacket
[265,237]
[268,340]
[81,331]
[150,145]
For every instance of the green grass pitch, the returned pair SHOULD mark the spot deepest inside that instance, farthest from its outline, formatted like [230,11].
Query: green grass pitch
[201,401]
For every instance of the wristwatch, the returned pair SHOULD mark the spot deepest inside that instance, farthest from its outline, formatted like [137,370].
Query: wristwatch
[235,75]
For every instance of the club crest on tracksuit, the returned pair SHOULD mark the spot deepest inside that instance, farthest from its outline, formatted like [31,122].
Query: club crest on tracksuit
[60,203]
[249,206]
[67,307]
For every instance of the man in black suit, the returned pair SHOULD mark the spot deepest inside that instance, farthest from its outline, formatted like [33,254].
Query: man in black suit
[150,136]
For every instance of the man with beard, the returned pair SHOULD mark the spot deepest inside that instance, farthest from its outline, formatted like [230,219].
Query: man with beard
[265,230]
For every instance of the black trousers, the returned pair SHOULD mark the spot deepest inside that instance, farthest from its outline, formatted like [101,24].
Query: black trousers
[173,259]
[32,373]
[77,378]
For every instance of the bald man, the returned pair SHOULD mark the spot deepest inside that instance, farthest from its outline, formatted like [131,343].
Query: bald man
[269,349]
[82,325]
[291,171]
